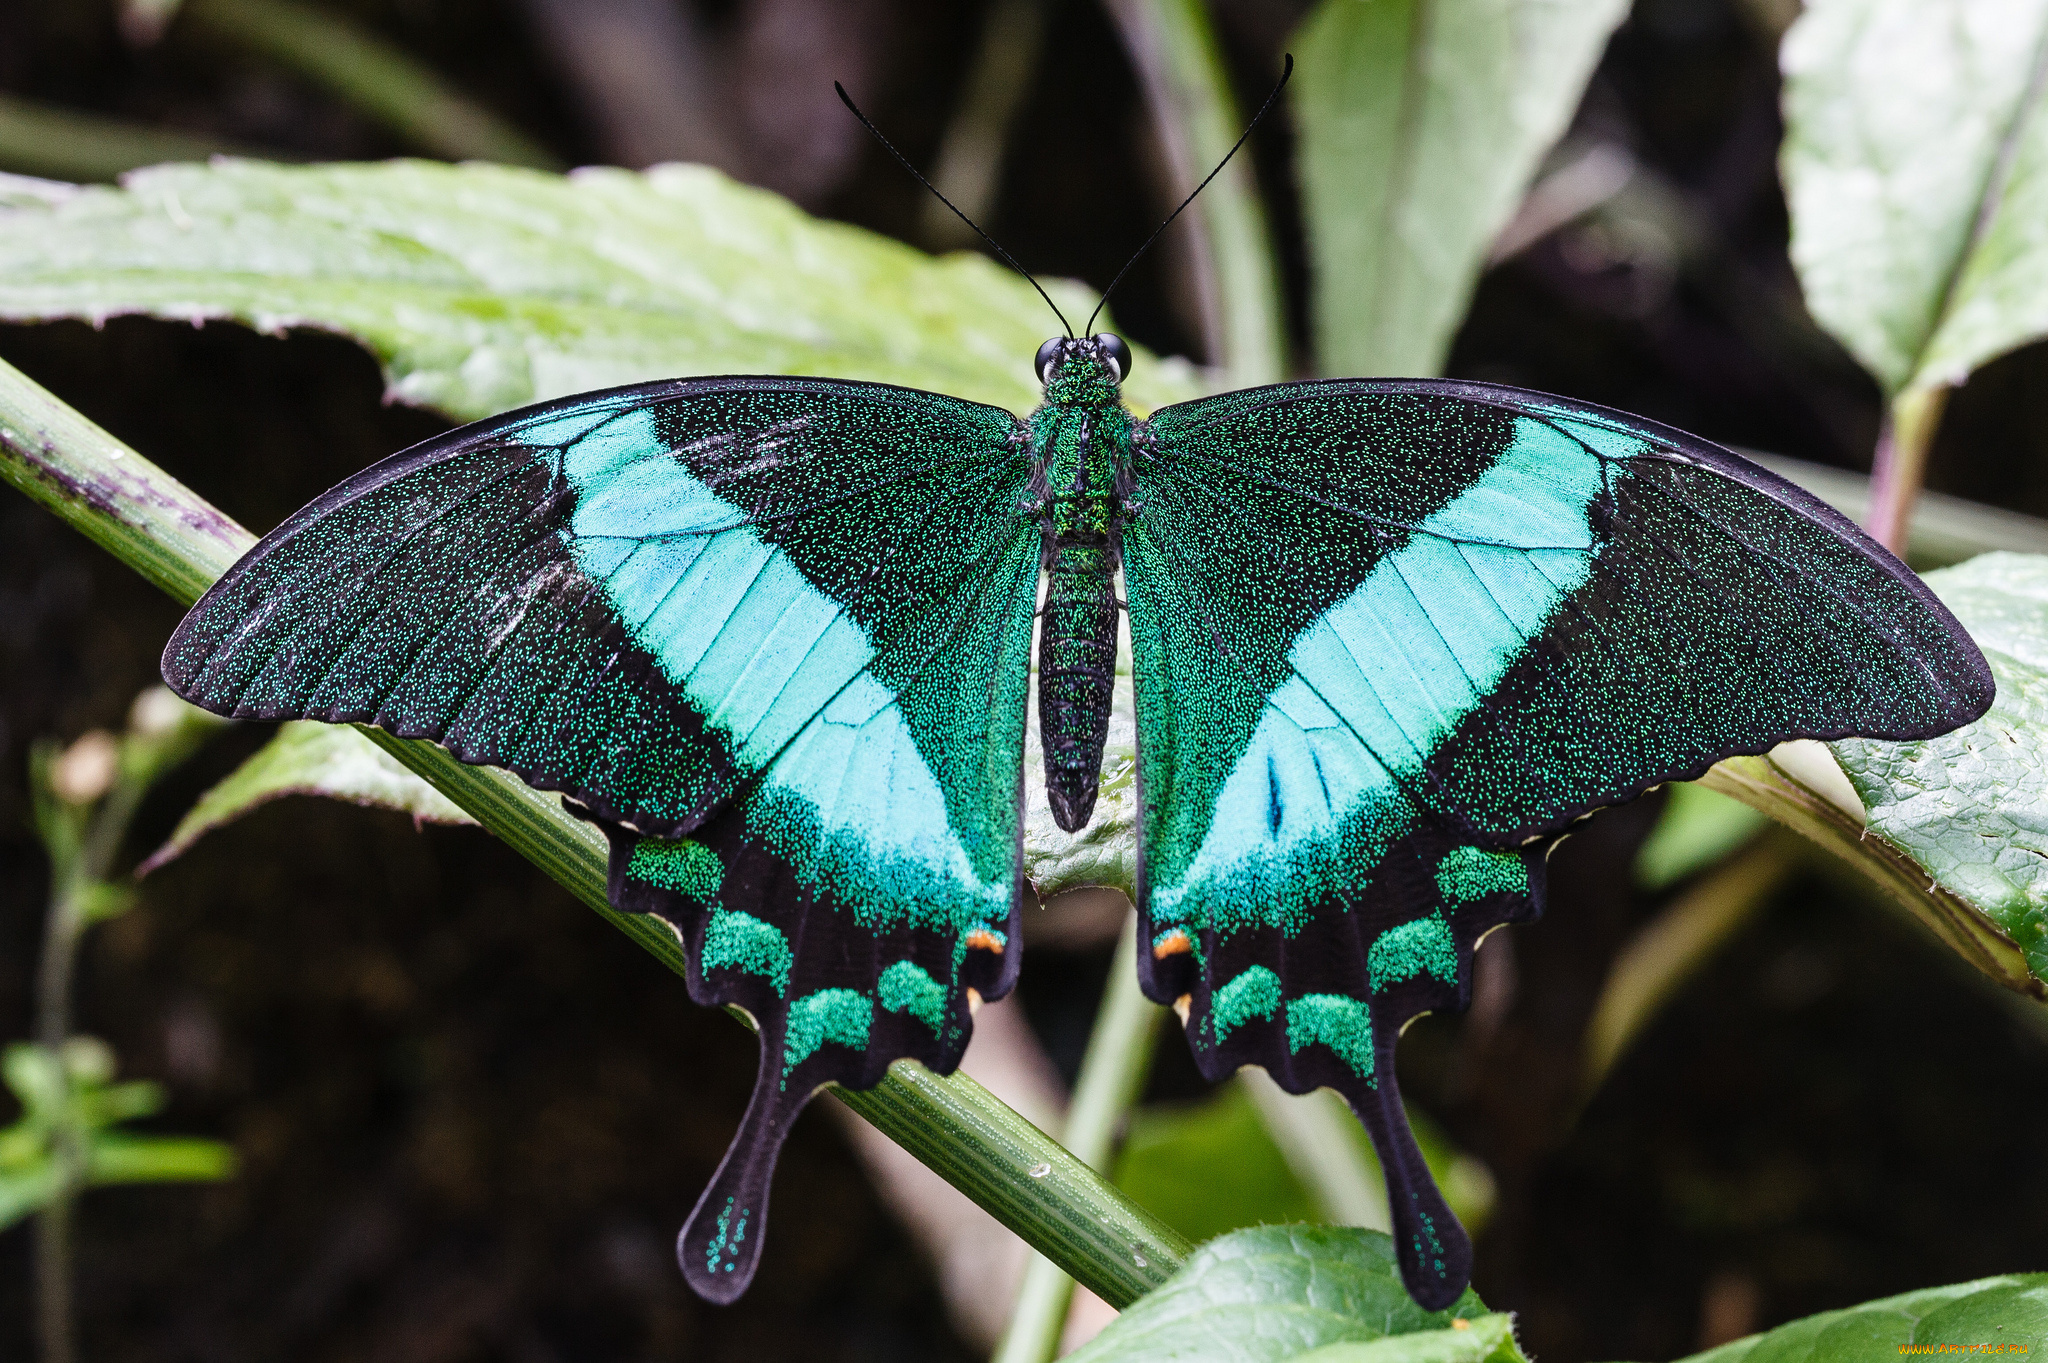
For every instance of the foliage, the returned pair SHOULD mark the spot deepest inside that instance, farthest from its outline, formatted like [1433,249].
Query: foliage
[1697,828]
[1278,1292]
[481,288]
[70,1131]
[1969,806]
[1421,125]
[1915,162]
[1966,1319]
[1916,169]
[309,759]
[1171,1151]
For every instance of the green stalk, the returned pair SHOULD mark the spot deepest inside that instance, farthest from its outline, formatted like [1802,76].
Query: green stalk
[368,73]
[1180,69]
[1675,946]
[1024,1178]
[1900,465]
[82,834]
[1112,1074]
[1318,1137]
[42,139]
[970,160]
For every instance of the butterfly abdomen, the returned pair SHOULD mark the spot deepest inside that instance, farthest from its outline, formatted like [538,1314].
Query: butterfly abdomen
[1076,669]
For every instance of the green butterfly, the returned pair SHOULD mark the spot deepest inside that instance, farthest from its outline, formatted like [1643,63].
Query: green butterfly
[774,635]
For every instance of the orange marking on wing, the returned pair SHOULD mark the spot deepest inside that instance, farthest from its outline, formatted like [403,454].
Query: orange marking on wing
[1175,943]
[981,939]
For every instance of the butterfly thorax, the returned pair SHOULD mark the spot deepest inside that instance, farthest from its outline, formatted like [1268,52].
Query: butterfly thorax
[1082,438]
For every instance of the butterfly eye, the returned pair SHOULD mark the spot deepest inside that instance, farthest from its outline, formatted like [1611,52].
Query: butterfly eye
[1113,349]
[1047,354]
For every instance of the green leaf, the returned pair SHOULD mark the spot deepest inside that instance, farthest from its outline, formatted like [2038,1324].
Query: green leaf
[1105,852]
[38,1081]
[1273,1292]
[101,900]
[1213,1166]
[105,1105]
[27,1189]
[1420,125]
[1968,1320]
[310,759]
[1697,828]
[1916,169]
[116,1158]
[1971,807]
[1175,1157]
[481,288]
[1489,1339]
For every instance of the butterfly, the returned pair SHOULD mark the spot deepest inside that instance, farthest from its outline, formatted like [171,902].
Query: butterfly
[1389,640]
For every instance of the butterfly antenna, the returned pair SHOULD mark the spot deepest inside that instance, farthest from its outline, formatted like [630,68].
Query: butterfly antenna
[994,245]
[1285,73]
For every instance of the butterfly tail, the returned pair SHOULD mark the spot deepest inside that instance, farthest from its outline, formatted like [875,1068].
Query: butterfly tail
[720,1245]
[1434,1251]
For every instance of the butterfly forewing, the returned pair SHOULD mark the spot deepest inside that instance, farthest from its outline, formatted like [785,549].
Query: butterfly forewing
[771,634]
[1391,638]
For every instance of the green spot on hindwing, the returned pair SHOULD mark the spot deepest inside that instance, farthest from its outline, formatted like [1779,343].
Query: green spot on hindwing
[1467,874]
[687,868]
[907,988]
[730,1235]
[1252,993]
[837,1015]
[1423,947]
[740,941]
[1343,1024]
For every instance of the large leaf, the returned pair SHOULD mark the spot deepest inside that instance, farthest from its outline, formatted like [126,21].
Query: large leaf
[1971,807]
[1209,1167]
[1277,1292]
[310,759]
[1213,1166]
[1992,1317]
[1420,124]
[1489,1339]
[1916,165]
[1105,852]
[481,288]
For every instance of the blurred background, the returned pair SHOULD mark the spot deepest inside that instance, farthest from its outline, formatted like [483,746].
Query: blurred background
[469,1115]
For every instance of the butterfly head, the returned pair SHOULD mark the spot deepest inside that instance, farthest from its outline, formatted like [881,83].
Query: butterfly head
[1083,372]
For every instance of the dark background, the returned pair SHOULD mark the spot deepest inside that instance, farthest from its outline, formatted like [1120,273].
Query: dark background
[470,1115]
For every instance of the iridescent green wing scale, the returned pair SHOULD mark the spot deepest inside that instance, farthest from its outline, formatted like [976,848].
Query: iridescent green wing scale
[772,635]
[1391,638]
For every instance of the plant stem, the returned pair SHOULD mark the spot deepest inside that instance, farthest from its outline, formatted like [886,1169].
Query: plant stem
[970,160]
[368,73]
[1318,1137]
[53,1271]
[1672,948]
[62,926]
[42,139]
[1173,47]
[171,536]
[67,920]
[75,870]
[1900,465]
[1112,1074]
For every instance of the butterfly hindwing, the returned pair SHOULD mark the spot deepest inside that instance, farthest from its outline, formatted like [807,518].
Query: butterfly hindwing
[1390,638]
[772,635]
